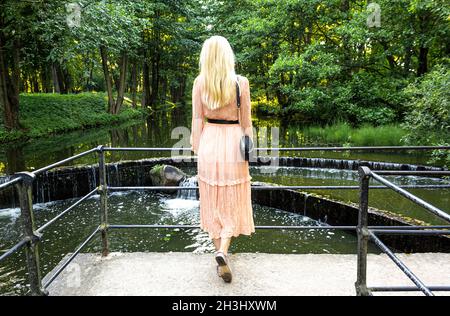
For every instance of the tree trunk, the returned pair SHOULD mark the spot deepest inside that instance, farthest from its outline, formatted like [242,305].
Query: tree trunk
[24,84]
[56,86]
[62,83]
[67,81]
[89,80]
[121,84]
[423,61]
[15,159]
[104,55]
[9,87]
[155,80]
[35,82]
[46,78]
[164,87]
[146,85]
[134,84]
[408,56]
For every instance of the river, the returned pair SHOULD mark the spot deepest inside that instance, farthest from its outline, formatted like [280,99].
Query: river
[144,208]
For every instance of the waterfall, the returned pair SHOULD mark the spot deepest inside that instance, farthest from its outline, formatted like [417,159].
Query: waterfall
[92,179]
[116,168]
[188,194]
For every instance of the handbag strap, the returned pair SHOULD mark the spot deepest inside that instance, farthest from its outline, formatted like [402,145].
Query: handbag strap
[238,94]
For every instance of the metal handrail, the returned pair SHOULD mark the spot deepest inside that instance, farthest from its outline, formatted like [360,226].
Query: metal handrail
[379,148]
[17,247]
[411,232]
[9,183]
[400,264]
[430,208]
[32,237]
[256,227]
[365,233]
[412,173]
[65,161]
[63,213]
[433,288]
[71,258]
[280,187]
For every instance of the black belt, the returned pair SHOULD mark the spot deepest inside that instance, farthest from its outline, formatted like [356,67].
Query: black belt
[222,121]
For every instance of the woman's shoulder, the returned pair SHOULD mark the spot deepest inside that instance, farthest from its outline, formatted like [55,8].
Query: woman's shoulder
[243,81]
[242,78]
[197,80]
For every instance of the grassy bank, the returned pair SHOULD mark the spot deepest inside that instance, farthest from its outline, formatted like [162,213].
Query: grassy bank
[45,114]
[366,135]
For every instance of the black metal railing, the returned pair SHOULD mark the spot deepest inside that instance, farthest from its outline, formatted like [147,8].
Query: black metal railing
[365,233]
[32,237]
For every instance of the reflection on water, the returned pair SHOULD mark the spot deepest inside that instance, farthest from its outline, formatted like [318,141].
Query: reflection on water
[156,132]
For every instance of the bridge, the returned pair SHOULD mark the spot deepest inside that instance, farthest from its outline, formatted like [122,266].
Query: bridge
[146,274]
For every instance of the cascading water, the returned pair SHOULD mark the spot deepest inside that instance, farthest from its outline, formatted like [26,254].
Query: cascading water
[92,179]
[188,194]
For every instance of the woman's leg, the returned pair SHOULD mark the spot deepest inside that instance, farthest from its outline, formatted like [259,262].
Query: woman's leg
[223,268]
[224,245]
[217,243]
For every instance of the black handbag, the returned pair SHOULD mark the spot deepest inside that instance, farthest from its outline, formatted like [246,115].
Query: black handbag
[246,144]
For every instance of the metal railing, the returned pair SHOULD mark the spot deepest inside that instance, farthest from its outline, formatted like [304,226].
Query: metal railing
[23,182]
[365,233]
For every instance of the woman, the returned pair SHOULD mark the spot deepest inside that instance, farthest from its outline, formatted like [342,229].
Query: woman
[223,175]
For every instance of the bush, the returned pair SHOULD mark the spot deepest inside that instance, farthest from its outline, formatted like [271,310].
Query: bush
[367,135]
[427,120]
[374,116]
[367,98]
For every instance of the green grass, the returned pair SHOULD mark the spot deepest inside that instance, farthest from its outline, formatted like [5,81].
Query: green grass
[45,114]
[343,133]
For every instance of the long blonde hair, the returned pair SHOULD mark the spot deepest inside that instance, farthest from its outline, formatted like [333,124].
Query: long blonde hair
[217,68]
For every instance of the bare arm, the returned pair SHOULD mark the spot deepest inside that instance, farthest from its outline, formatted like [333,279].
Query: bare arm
[246,107]
[197,117]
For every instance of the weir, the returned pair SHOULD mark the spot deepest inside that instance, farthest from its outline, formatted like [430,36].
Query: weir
[32,236]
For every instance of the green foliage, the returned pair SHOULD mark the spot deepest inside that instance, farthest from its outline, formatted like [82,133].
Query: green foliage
[321,62]
[367,135]
[309,60]
[44,114]
[427,118]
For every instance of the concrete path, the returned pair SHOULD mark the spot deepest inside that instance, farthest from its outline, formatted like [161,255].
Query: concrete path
[187,274]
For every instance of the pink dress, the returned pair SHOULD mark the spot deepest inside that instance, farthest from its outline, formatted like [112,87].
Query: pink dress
[223,175]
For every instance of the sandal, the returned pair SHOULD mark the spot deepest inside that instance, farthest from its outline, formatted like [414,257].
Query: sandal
[223,265]
[219,271]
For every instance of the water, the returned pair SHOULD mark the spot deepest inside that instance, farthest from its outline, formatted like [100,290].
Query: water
[134,207]
[189,182]
[156,132]
[153,208]
[381,199]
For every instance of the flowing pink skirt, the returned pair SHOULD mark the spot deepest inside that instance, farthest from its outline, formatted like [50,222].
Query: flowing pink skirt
[224,183]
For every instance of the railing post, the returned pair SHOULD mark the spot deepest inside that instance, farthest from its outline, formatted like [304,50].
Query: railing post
[363,231]
[25,191]
[103,191]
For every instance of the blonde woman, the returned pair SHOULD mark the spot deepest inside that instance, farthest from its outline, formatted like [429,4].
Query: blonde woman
[223,175]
